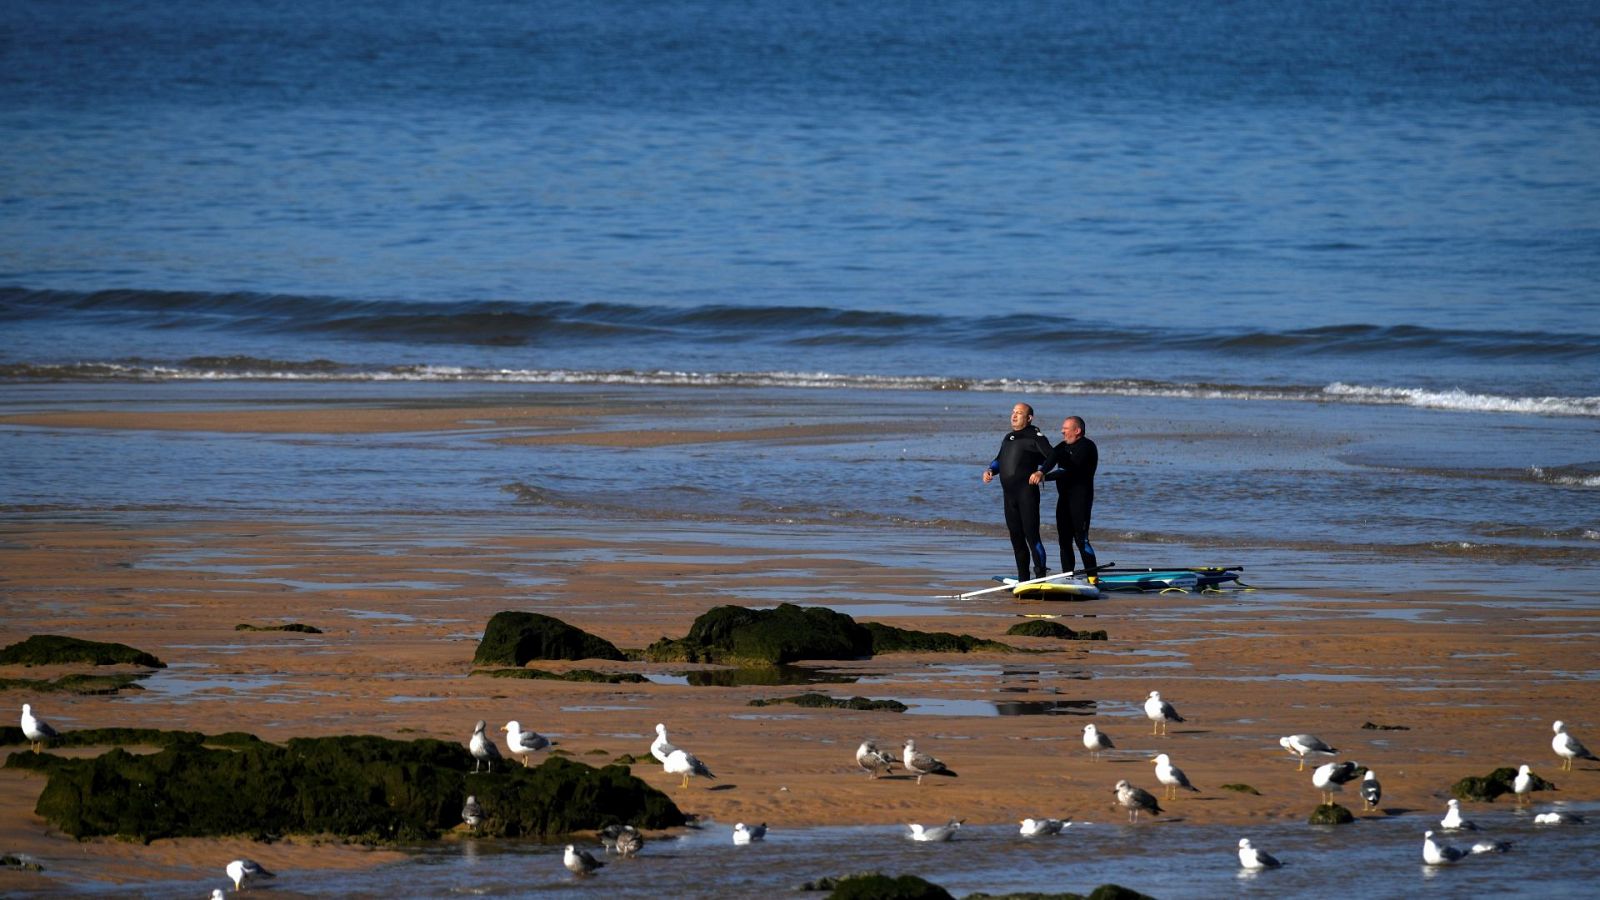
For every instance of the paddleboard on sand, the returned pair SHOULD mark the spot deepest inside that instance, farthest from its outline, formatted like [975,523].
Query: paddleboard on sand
[1056,590]
[1166,579]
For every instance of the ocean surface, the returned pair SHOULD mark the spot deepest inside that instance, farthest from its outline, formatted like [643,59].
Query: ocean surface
[1323,277]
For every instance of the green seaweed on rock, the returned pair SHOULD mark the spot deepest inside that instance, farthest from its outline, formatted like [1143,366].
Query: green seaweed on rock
[55,649]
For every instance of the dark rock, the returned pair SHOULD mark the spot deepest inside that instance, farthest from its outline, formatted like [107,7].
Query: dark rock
[882,887]
[52,649]
[130,737]
[1103,892]
[823,701]
[1331,814]
[292,626]
[514,638]
[888,639]
[1241,788]
[17,863]
[734,634]
[580,675]
[360,787]
[1041,628]
[1373,726]
[77,684]
[1484,789]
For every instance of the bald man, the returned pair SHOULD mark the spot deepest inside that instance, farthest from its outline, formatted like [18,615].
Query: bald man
[1022,452]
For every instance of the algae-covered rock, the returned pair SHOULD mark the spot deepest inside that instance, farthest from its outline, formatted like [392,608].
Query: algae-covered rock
[1241,788]
[577,675]
[514,638]
[882,887]
[889,639]
[1331,814]
[734,635]
[53,649]
[77,683]
[360,787]
[130,737]
[292,626]
[1483,789]
[1103,892]
[823,701]
[1041,628]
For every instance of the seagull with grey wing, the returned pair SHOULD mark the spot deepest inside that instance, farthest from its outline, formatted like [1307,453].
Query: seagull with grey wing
[661,748]
[244,871]
[1255,860]
[1160,712]
[1171,776]
[36,730]
[623,840]
[1095,740]
[1301,744]
[484,751]
[523,744]
[472,813]
[1565,745]
[1371,790]
[920,764]
[875,761]
[580,862]
[1136,800]
[1437,854]
[934,833]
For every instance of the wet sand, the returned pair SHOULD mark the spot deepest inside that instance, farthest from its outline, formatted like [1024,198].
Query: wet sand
[1475,681]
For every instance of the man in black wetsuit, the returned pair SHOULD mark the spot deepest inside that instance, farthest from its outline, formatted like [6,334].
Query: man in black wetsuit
[1021,454]
[1071,465]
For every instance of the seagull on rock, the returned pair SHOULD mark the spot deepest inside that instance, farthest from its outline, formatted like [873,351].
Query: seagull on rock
[1172,777]
[523,743]
[36,730]
[1136,800]
[483,748]
[1330,778]
[1095,740]
[1255,860]
[920,764]
[1566,746]
[1301,744]
[1159,712]
[244,871]
[875,761]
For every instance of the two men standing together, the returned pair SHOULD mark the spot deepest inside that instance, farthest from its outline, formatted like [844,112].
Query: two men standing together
[1025,460]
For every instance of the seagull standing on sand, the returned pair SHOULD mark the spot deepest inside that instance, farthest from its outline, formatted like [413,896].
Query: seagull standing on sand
[523,743]
[1566,746]
[744,834]
[920,764]
[244,871]
[1452,820]
[1172,776]
[483,747]
[1301,744]
[935,832]
[579,862]
[1095,740]
[35,729]
[1330,778]
[875,761]
[1253,859]
[1159,712]
[1136,800]
[1435,854]
[472,813]
[1371,790]
[682,762]
[1037,827]
[661,748]
[1522,785]
[623,840]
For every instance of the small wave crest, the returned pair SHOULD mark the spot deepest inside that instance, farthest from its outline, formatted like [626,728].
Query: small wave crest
[1464,401]
[1566,476]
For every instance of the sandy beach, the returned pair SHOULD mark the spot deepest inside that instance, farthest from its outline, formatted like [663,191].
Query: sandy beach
[1464,685]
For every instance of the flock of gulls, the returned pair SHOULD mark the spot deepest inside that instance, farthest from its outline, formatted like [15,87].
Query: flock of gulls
[626,841]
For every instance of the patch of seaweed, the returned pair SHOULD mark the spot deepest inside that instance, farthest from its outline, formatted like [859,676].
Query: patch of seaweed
[54,649]
[515,638]
[1041,628]
[355,787]
[292,626]
[823,701]
[76,684]
[578,675]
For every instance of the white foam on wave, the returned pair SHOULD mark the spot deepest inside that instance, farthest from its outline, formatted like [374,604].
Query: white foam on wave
[1540,474]
[1465,401]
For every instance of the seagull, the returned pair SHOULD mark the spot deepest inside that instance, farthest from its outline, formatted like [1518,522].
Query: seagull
[523,743]
[1452,820]
[1522,785]
[1172,776]
[579,862]
[1491,847]
[1371,791]
[1302,744]
[920,764]
[1330,778]
[875,761]
[472,813]
[1558,818]
[1095,740]
[36,730]
[1251,858]
[935,832]
[217,894]
[1566,746]
[1159,712]
[243,871]
[623,840]
[682,762]
[1136,800]
[483,748]
[661,748]
[744,834]
[1438,854]
[1036,827]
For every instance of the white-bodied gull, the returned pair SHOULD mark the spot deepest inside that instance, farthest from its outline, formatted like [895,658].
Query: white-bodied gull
[523,744]
[661,748]
[484,751]
[579,862]
[1251,858]
[1371,790]
[1568,747]
[1095,740]
[1436,854]
[1301,744]
[1452,820]
[244,871]
[1522,784]
[934,832]
[744,834]
[36,730]
[1038,827]
[682,762]
[1330,778]
[1160,712]
[1171,776]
